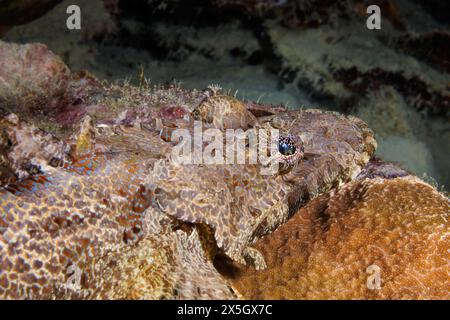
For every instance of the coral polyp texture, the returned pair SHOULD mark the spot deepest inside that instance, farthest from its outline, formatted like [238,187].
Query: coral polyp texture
[370,239]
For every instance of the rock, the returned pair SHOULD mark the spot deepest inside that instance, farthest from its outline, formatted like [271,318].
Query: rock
[31,78]
[432,47]
[293,13]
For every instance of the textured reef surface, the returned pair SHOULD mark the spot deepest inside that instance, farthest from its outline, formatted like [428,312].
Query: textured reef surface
[94,206]
[331,247]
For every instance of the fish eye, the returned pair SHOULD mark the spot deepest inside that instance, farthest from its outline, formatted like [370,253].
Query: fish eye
[286,146]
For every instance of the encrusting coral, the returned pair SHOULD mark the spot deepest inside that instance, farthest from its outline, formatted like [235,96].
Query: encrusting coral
[331,249]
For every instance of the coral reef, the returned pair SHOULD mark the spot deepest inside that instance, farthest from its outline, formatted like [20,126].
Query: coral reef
[349,73]
[92,205]
[432,47]
[295,13]
[331,248]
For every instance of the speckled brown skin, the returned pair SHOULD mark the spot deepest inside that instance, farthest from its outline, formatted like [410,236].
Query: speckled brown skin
[95,216]
[401,225]
[95,207]
[171,264]
[245,204]
[121,197]
[24,148]
[241,204]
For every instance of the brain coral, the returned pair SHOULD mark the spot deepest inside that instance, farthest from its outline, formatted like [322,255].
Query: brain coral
[336,246]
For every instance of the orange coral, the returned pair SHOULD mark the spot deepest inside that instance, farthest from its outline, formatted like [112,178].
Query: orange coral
[398,226]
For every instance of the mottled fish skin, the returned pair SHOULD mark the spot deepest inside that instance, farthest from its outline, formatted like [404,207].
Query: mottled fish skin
[24,148]
[104,212]
[72,231]
[83,230]
[241,204]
